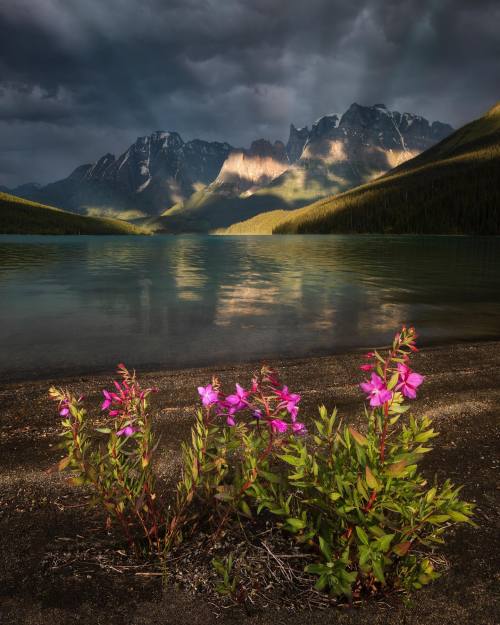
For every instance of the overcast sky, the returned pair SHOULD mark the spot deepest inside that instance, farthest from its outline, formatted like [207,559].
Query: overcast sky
[79,78]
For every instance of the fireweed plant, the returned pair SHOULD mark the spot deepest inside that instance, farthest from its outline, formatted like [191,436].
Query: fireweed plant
[354,501]
[114,459]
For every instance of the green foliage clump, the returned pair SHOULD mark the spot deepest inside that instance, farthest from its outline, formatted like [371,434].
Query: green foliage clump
[115,459]
[356,502]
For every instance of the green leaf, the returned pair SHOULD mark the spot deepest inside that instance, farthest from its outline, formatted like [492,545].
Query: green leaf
[385,542]
[359,438]
[325,549]
[362,535]
[296,524]
[378,571]
[104,430]
[270,477]
[397,469]
[437,519]
[459,517]
[371,480]
[361,488]
[423,437]
[430,495]
[393,381]
[316,569]
[293,460]
[245,508]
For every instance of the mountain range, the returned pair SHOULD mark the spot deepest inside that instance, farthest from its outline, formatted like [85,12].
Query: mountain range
[451,188]
[198,185]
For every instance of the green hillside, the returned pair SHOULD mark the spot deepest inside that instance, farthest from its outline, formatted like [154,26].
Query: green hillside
[452,188]
[20,216]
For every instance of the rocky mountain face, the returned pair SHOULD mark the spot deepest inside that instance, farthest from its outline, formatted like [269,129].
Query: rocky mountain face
[340,152]
[153,174]
[202,185]
[335,154]
[247,170]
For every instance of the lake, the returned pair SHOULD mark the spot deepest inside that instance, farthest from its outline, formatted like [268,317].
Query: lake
[80,303]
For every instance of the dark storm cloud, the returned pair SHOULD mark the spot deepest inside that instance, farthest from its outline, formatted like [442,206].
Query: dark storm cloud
[82,77]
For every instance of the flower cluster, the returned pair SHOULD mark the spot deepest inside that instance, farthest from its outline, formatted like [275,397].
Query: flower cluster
[393,375]
[126,403]
[267,401]
[354,501]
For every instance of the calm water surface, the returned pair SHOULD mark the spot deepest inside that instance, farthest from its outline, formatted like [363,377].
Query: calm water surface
[77,303]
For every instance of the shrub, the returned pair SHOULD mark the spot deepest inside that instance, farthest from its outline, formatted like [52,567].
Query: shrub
[115,459]
[354,501]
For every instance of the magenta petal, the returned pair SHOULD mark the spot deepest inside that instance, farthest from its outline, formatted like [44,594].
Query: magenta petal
[278,425]
[409,392]
[415,379]
[127,431]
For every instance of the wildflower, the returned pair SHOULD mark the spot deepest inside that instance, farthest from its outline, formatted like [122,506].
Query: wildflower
[409,381]
[289,401]
[208,395]
[108,400]
[257,414]
[298,428]
[238,399]
[279,426]
[376,390]
[366,367]
[127,431]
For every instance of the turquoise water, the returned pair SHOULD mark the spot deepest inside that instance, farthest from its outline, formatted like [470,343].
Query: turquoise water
[76,303]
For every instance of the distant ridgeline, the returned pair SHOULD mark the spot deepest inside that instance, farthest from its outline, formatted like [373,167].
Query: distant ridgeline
[368,170]
[21,216]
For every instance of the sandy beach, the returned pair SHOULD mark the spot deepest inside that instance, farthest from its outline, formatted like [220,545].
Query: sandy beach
[51,574]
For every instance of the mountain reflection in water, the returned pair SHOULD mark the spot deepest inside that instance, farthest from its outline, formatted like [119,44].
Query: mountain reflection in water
[79,303]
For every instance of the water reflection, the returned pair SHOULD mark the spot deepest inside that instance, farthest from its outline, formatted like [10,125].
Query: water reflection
[83,302]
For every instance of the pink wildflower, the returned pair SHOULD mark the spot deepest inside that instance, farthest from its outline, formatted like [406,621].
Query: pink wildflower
[366,367]
[238,400]
[409,381]
[299,428]
[127,431]
[208,395]
[376,390]
[108,400]
[289,401]
[278,425]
